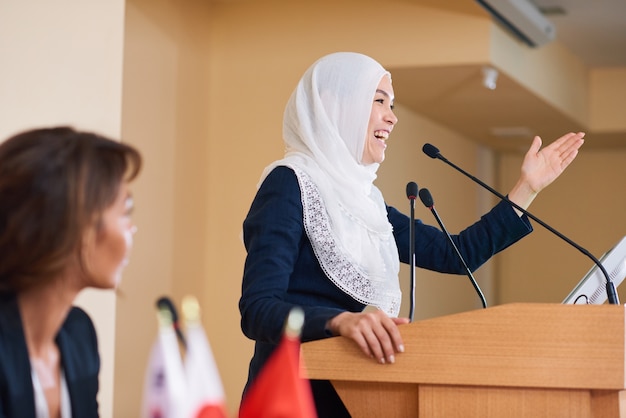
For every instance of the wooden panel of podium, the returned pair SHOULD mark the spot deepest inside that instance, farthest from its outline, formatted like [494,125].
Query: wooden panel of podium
[514,360]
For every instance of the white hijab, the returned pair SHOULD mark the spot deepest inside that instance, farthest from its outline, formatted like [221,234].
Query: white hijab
[324,129]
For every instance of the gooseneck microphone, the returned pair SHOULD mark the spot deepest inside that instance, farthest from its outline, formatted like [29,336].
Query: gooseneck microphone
[433,152]
[166,303]
[427,200]
[411,194]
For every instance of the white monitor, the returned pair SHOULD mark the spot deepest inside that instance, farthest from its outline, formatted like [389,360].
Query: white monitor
[592,288]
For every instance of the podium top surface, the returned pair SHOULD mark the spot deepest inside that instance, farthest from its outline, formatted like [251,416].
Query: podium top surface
[512,345]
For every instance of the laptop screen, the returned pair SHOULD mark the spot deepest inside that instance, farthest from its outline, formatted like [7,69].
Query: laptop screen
[592,288]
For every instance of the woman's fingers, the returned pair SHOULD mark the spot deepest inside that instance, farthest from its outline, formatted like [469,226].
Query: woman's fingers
[375,333]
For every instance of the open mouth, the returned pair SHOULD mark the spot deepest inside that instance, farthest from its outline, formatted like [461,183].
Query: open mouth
[382,135]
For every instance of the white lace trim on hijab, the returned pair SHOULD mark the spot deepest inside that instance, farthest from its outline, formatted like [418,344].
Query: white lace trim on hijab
[364,288]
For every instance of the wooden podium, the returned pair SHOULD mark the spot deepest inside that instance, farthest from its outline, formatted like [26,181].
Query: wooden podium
[515,360]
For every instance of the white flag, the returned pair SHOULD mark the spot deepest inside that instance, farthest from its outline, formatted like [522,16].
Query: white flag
[165,386]
[205,391]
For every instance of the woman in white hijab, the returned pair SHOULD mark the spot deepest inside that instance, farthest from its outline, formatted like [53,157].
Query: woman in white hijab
[319,235]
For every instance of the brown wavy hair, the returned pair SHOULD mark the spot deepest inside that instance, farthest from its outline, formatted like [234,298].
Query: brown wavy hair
[54,183]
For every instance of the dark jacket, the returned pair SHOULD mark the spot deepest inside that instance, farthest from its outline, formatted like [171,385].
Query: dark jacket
[78,346]
[281,270]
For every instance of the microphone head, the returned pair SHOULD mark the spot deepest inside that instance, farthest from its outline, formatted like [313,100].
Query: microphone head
[426,198]
[431,150]
[165,302]
[411,190]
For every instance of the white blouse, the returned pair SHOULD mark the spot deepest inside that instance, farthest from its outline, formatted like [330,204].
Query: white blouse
[41,406]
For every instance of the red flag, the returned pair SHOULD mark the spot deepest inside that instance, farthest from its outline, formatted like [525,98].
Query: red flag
[279,391]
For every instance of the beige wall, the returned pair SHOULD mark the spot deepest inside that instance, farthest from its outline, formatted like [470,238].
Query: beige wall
[608,99]
[586,205]
[66,68]
[204,88]
[166,110]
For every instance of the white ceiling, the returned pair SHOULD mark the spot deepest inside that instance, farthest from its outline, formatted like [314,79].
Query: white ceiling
[594,30]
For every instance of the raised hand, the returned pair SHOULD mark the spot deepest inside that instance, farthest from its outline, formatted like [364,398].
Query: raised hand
[541,166]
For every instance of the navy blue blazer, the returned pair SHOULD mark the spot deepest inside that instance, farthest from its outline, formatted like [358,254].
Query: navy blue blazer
[78,346]
[281,270]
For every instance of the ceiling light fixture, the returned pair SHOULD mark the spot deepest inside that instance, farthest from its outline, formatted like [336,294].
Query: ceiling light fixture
[490,77]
